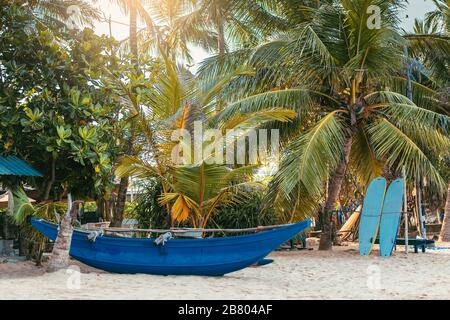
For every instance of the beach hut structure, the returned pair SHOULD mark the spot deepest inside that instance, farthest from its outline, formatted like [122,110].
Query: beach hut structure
[5,199]
[11,166]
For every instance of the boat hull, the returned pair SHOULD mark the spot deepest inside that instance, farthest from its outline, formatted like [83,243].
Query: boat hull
[208,256]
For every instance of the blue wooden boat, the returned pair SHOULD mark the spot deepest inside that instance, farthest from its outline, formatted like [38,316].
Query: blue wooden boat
[204,256]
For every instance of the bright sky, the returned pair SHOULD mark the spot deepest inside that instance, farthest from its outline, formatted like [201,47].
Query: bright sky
[416,9]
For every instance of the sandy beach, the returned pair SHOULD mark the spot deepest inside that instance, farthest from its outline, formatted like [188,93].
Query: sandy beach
[310,274]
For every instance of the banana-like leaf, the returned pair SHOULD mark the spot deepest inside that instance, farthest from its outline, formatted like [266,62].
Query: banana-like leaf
[22,206]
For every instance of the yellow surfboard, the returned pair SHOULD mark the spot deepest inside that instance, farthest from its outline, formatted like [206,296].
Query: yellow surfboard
[349,225]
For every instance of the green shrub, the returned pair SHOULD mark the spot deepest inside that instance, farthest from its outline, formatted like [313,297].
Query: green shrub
[129,209]
[90,206]
[146,209]
[246,214]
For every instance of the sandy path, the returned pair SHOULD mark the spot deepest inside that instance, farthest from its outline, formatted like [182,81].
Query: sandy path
[341,274]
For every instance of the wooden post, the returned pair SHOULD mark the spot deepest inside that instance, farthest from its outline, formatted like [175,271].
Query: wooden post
[420,211]
[109,25]
[410,96]
[10,211]
[405,210]
[408,74]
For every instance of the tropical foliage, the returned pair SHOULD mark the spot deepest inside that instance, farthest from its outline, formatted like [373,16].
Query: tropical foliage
[194,190]
[50,113]
[353,96]
[347,82]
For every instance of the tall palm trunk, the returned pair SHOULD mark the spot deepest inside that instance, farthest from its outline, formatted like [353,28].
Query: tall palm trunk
[133,33]
[50,184]
[60,254]
[119,207]
[100,208]
[445,230]
[334,188]
[220,36]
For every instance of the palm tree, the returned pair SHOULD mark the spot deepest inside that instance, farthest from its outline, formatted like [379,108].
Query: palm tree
[136,9]
[133,33]
[205,24]
[440,17]
[59,258]
[241,21]
[340,75]
[55,13]
[429,45]
[174,31]
[172,38]
[23,209]
[435,56]
[437,23]
[199,190]
[445,231]
[191,191]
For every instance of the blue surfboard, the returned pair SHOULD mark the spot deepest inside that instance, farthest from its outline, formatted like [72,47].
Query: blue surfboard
[370,215]
[390,216]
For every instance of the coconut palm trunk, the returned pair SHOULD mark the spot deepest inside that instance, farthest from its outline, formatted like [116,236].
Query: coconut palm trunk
[334,188]
[445,230]
[133,33]
[220,37]
[119,207]
[59,258]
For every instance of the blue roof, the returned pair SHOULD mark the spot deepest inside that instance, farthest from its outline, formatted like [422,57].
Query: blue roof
[14,166]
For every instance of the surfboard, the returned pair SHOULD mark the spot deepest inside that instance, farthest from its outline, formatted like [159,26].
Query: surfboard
[370,215]
[348,227]
[390,217]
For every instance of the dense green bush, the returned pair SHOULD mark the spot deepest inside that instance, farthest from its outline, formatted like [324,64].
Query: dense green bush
[146,209]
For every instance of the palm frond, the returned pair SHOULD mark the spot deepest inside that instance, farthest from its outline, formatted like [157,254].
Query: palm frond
[136,167]
[22,206]
[400,151]
[298,205]
[311,157]
[256,119]
[363,159]
[181,208]
[296,99]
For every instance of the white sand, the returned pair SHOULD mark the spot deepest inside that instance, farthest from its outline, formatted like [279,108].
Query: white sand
[340,274]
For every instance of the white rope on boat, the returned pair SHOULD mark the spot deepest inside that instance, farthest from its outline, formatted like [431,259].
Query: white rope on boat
[162,239]
[94,234]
